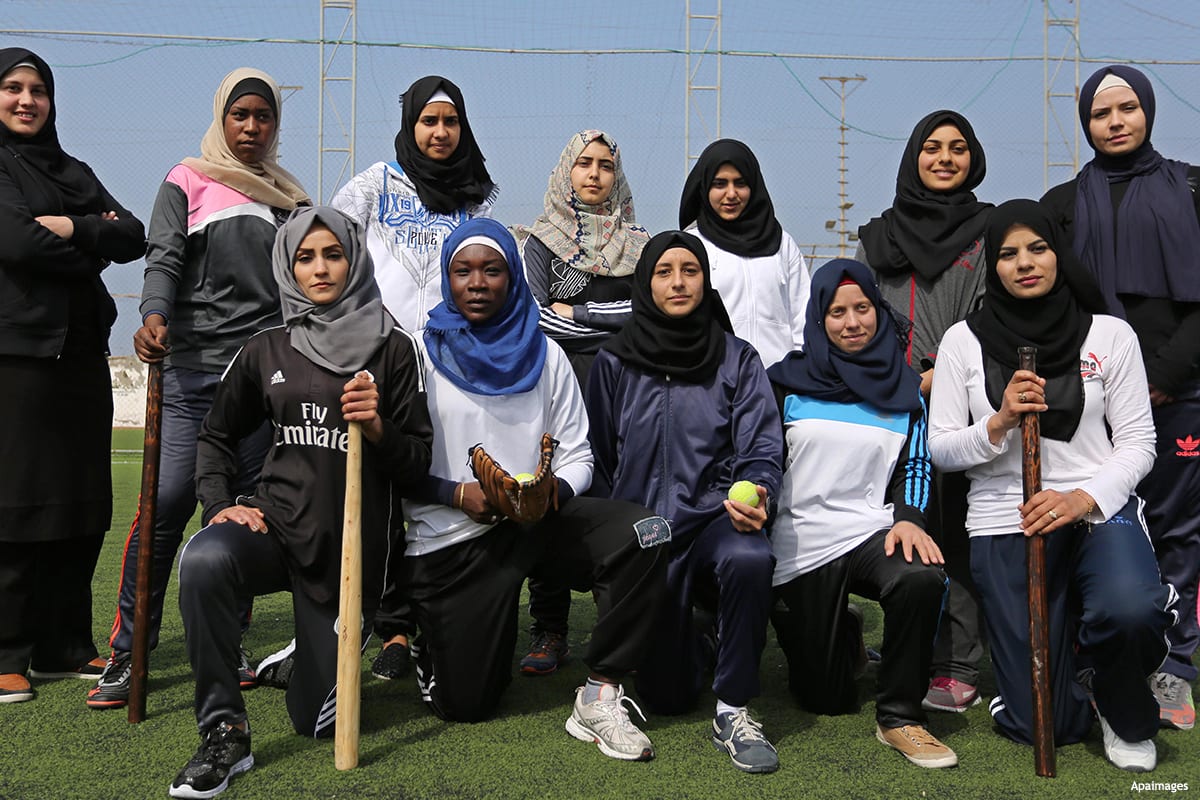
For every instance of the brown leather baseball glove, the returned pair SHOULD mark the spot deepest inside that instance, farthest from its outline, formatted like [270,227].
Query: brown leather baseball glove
[526,501]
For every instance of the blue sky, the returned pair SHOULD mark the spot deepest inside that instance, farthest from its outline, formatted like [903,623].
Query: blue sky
[133,108]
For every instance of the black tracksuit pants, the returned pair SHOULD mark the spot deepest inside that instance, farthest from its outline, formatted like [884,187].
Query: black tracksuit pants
[821,644]
[221,568]
[466,597]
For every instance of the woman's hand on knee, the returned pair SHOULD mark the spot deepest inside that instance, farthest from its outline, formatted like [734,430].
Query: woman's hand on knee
[249,516]
[912,540]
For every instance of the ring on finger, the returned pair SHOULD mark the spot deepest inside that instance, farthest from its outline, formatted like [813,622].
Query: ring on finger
[1052,514]
[1020,397]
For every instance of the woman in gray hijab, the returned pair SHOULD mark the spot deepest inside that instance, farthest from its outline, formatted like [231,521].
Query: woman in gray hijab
[338,358]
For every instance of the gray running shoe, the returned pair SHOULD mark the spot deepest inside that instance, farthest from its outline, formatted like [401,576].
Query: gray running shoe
[742,738]
[607,723]
[1174,696]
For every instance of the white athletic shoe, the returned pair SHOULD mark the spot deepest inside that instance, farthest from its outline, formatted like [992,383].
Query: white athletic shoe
[607,723]
[1132,756]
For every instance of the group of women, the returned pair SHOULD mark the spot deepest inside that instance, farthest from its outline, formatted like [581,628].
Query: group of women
[874,415]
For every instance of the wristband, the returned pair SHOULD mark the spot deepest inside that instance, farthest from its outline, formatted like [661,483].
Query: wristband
[462,487]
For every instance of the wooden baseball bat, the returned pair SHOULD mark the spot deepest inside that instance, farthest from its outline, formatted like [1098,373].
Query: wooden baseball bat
[1035,586]
[349,661]
[147,509]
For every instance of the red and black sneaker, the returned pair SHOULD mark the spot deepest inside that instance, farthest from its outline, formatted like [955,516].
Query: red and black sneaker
[546,652]
[247,677]
[112,691]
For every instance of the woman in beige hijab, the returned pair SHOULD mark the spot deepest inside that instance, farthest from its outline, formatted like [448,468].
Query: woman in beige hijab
[208,288]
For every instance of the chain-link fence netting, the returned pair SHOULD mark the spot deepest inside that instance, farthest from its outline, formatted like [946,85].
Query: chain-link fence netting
[135,94]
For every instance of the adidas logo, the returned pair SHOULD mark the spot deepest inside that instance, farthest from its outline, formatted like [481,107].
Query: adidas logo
[1188,447]
[278,377]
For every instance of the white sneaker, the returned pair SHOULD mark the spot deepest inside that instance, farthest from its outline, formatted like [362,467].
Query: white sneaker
[1132,756]
[607,723]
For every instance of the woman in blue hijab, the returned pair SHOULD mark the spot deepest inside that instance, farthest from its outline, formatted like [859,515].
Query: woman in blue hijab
[852,507]
[493,378]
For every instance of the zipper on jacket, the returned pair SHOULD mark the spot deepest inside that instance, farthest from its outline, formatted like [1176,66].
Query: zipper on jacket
[664,481]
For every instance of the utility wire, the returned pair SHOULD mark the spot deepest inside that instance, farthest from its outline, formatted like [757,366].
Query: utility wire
[168,40]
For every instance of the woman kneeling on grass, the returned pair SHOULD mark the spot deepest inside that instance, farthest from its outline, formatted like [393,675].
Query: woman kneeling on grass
[287,534]
[492,375]
[851,518]
[680,409]
[1109,610]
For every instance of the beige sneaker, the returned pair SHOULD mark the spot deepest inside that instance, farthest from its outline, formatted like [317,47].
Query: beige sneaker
[607,723]
[917,745]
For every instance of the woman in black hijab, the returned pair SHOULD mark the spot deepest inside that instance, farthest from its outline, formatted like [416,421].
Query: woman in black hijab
[1134,218]
[60,228]
[448,170]
[756,266]
[680,410]
[1109,610]
[927,254]
[409,207]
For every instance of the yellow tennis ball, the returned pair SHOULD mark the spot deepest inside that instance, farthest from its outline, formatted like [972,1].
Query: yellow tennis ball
[523,477]
[744,492]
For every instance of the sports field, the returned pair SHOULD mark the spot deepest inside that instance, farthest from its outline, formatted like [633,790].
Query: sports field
[54,748]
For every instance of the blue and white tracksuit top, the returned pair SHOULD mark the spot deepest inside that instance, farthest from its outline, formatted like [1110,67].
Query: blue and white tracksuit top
[676,447]
[850,471]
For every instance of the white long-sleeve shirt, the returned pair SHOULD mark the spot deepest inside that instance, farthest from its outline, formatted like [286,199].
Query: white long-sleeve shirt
[1115,390]
[510,427]
[766,296]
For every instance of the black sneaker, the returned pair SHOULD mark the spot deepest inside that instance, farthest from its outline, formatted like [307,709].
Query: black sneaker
[546,652]
[224,752]
[392,661]
[112,690]
[247,678]
[276,669]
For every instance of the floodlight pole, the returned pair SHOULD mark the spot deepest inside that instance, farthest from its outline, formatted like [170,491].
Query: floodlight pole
[1059,99]
[846,86]
[337,80]
[697,91]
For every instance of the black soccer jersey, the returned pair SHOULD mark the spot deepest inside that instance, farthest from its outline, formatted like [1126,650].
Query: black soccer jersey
[302,487]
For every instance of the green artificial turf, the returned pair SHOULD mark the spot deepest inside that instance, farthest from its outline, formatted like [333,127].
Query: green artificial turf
[55,748]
